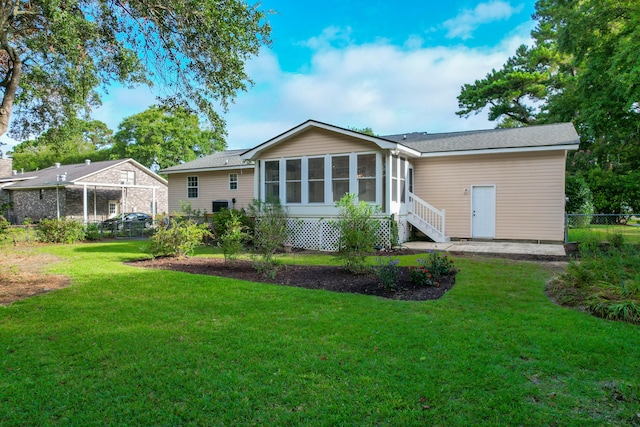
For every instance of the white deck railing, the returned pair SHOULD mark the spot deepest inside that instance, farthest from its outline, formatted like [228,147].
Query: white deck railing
[426,218]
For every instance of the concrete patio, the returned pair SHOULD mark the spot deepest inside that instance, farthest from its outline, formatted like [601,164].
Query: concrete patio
[490,247]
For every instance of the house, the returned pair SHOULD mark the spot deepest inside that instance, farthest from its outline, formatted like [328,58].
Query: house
[89,191]
[499,184]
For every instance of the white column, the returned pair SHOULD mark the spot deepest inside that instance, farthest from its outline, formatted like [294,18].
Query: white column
[153,205]
[84,203]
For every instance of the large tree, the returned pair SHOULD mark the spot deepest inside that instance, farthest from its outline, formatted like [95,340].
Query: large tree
[55,54]
[515,93]
[583,68]
[72,142]
[160,137]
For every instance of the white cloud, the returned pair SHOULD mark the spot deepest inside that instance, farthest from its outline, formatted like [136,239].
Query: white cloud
[329,36]
[121,103]
[389,88]
[463,25]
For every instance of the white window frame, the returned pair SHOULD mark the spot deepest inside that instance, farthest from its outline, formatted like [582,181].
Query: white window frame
[128,177]
[263,178]
[233,181]
[328,178]
[287,181]
[307,180]
[190,186]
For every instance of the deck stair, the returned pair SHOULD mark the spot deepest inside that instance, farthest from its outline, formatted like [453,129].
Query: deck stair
[426,218]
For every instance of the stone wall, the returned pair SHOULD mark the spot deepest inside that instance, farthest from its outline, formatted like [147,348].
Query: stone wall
[43,203]
[131,199]
[37,204]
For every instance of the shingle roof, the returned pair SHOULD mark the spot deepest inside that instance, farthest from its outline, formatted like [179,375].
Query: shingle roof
[531,136]
[49,177]
[222,159]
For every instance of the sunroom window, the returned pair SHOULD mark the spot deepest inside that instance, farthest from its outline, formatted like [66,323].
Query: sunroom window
[316,179]
[339,176]
[322,179]
[272,179]
[294,181]
[367,177]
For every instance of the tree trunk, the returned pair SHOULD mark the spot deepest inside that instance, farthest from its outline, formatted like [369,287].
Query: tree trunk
[10,95]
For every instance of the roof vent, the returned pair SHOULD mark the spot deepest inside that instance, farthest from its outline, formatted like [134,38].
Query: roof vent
[226,161]
[14,172]
[87,162]
[57,165]
[404,137]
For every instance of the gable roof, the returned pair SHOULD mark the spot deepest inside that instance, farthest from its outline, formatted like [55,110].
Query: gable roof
[229,159]
[383,143]
[48,177]
[559,136]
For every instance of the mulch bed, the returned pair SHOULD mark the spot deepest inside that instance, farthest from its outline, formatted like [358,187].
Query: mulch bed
[329,278]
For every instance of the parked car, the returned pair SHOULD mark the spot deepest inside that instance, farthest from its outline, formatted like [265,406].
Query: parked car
[128,220]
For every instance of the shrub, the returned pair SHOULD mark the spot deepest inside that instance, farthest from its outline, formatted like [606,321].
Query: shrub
[358,230]
[177,237]
[233,236]
[93,232]
[220,221]
[605,282]
[61,230]
[270,233]
[431,269]
[4,227]
[387,272]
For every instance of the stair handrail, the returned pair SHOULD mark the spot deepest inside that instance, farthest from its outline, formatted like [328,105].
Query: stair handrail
[428,213]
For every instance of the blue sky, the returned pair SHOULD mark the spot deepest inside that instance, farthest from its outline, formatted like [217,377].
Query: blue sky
[393,66]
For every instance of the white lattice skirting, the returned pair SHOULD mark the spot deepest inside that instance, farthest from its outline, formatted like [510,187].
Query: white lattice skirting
[323,235]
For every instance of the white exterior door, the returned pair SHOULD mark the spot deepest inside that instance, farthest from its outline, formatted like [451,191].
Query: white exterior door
[483,211]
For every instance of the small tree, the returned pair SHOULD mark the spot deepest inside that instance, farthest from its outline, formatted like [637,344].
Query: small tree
[177,237]
[358,229]
[233,236]
[270,232]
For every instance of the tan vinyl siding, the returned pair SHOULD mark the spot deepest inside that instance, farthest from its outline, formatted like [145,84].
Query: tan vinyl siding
[529,192]
[317,142]
[211,186]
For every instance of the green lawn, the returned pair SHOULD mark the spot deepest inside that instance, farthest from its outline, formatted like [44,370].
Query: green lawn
[129,346]
[603,233]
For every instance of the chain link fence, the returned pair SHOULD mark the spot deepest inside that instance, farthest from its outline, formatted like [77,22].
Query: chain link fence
[579,227]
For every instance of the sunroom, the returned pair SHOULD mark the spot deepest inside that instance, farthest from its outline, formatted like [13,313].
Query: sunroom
[311,167]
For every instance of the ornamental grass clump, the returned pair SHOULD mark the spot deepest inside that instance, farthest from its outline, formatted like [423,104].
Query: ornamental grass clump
[387,272]
[605,281]
[430,269]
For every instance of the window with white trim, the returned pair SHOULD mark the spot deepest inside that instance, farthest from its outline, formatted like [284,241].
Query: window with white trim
[339,176]
[272,180]
[366,177]
[192,187]
[233,181]
[322,179]
[315,166]
[128,177]
[294,180]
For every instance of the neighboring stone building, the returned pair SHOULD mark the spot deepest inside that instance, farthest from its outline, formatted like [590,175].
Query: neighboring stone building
[87,191]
